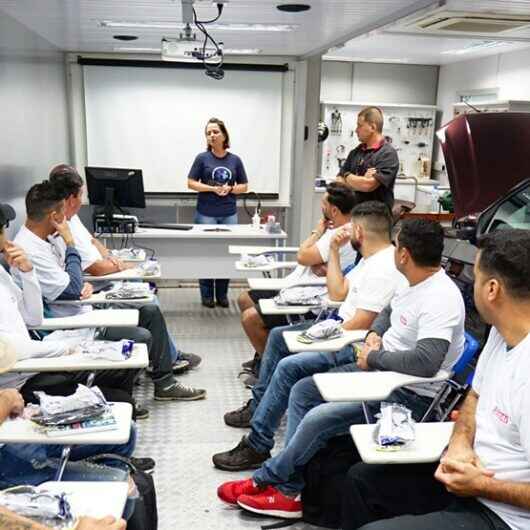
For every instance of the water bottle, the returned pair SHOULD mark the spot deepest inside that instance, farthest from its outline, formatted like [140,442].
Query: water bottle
[435,195]
[256,220]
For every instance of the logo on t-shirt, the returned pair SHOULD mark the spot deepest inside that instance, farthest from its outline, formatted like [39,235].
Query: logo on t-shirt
[221,175]
[403,320]
[501,416]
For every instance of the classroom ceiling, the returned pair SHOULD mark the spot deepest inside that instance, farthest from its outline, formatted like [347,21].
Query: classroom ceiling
[357,30]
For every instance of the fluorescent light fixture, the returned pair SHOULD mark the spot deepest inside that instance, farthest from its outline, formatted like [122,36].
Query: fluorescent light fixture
[241,51]
[132,49]
[181,25]
[366,59]
[474,47]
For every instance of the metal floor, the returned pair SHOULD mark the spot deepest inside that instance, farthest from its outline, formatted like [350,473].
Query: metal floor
[182,437]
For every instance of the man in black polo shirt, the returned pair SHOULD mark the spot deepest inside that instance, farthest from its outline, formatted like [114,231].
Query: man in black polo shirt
[371,168]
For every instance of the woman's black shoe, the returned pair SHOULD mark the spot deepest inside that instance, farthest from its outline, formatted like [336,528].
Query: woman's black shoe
[208,302]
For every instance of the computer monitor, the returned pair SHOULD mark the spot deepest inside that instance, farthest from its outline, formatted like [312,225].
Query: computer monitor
[115,188]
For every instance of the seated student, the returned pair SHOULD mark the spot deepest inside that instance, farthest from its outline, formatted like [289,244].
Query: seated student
[12,521]
[95,257]
[23,306]
[367,290]
[336,204]
[49,243]
[483,480]
[421,332]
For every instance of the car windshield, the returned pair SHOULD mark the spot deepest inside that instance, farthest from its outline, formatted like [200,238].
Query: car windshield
[513,213]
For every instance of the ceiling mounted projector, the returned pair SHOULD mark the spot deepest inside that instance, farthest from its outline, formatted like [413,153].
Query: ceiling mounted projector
[179,49]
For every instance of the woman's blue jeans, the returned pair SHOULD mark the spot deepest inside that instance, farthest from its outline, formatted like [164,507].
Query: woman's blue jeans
[217,289]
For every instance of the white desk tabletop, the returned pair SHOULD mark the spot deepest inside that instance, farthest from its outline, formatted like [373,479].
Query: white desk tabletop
[269,307]
[270,267]
[367,386]
[77,362]
[128,274]
[99,318]
[24,431]
[431,440]
[207,232]
[92,499]
[276,284]
[254,250]
[348,337]
[99,298]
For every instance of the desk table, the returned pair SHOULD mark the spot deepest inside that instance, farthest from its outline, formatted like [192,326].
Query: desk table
[431,440]
[99,299]
[99,318]
[92,499]
[24,431]
[200,252]
[277,284]
[348,337]
[79,362]
[128,274]
[254,250]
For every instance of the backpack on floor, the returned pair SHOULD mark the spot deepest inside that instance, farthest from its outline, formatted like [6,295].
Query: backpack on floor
[324,478]
[145,515]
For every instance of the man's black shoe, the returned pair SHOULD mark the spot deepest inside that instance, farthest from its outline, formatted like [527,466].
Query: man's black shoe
[143,464]
[223,302]
[240,417]
[208,302]
[240,458]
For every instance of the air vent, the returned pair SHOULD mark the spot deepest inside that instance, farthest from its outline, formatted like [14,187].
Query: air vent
[479,23]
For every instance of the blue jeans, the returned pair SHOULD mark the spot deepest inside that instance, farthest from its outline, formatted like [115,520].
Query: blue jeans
[17,469]
[312,422]
[279,371]
[211,289]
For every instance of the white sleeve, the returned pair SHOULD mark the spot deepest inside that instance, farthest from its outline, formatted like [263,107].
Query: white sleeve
[438,319]
[485,355]
[376,291]
[30,305]
[53,279]
[34,349]
[323,245]
[83,243]
[522,418]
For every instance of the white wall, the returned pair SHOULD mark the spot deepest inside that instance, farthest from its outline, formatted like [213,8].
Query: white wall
[379,83]
[33,116]
[509,72]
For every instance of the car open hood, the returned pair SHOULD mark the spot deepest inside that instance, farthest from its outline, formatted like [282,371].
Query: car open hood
[485,155]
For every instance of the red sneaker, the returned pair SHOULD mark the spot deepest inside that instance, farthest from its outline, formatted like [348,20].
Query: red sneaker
[272,502]
[230,491]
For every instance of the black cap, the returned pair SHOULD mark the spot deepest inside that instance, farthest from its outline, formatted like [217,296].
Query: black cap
[6,214]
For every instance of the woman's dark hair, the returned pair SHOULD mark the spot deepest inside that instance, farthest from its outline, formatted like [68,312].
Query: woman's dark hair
[224,130]
[66,180]
[424,239]
[341,196]
[505,254]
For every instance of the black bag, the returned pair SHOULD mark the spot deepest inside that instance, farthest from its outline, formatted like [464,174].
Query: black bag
[324,478]
[145,515]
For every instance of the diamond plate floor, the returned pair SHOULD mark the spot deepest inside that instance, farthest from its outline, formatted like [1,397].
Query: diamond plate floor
[182,437]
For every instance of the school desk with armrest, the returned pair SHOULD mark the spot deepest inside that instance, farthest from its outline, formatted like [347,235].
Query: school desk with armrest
[99,318]
[277,284]
[128,274]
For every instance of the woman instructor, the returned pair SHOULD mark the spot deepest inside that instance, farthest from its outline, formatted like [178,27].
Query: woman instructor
[218,176]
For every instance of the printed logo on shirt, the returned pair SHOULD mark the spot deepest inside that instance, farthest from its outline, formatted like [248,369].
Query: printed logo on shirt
[221,175]
[501,416]
[403,320]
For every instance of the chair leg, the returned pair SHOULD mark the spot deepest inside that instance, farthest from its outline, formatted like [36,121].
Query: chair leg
[65,455]
[367,416]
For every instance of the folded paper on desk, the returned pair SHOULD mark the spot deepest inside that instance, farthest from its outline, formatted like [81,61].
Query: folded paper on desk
[325,330]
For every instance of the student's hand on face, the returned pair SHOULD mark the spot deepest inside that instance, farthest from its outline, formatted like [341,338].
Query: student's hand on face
[320,270]
[87,291]
[15,400]
[16,257]
[462,479]
[107,523]
[341,237]
[370,172]
[63,229]
[321,226]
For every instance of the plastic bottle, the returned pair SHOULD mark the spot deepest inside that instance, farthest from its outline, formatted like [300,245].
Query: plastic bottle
[435,195]
[256,220]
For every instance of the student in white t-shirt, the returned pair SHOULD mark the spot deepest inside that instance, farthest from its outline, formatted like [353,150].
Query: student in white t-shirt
[337,204]
[95,257]
[483,480]
[424,336]
[366,290]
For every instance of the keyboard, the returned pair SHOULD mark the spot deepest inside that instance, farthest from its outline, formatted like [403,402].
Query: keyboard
[165,226]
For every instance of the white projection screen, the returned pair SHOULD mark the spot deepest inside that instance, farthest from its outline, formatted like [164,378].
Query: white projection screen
[153,119]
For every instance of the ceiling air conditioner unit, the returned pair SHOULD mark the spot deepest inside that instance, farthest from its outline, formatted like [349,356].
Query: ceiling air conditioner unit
[468,22]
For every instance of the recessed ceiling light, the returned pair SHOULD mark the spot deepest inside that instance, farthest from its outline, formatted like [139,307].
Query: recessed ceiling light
[181,25]
[293,8]
[125,37]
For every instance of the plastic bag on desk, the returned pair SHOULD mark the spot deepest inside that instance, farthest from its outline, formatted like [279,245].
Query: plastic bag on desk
[129,291]
[85,403]
[395,427]
[110,350]
[325,330]
[309,295]
[44,506]
[150,267]
[259,260]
